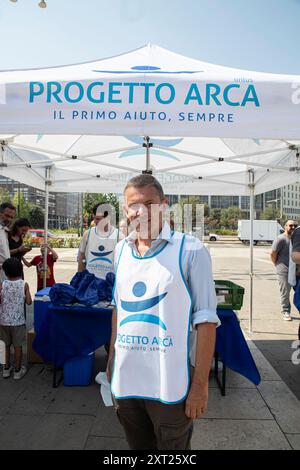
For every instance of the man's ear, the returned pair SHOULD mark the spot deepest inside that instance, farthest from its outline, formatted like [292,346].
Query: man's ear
[164,204]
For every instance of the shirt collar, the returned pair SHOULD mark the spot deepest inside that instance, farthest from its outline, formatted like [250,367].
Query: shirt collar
[165,234]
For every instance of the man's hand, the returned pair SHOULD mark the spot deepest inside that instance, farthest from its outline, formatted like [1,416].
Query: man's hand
[196,403]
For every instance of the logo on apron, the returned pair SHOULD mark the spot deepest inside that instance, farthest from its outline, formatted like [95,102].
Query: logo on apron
[101,255]
[139,289]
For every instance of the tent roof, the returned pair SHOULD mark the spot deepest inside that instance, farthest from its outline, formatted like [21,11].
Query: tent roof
[220,124]
[150,55]
[183,165]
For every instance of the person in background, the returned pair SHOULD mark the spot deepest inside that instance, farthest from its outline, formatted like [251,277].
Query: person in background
[16,239]
[14,291]
[280,258]
[7,214]
[96,251]
[124,226]
[38,261]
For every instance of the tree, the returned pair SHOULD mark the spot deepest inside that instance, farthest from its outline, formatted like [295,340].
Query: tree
[21,205]
[213,221]
[36,216]
[206,210]
[229,217]
[90,200]
[195,217]
[270,213]
[4,195]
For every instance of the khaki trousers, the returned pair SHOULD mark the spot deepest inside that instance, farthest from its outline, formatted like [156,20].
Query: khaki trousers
[152,425]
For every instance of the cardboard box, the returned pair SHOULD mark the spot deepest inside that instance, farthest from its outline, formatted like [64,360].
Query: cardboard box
[32,356]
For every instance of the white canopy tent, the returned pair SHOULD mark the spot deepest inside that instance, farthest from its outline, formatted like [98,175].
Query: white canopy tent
[199,128]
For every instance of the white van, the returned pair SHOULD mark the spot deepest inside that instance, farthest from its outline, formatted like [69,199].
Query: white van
[263,231]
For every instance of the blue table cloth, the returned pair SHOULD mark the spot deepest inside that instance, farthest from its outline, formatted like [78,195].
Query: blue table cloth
[40,306]
[71,331]
[233,348]
[67,332]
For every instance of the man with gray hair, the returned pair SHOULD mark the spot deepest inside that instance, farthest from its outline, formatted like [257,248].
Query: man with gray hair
[7,214]
[280,256]
[164,288]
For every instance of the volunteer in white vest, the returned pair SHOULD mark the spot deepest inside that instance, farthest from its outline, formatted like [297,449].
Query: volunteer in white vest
[96,251]
[163,286]
[7,214]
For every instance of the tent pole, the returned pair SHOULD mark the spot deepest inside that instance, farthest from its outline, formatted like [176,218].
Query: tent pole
[45,264]
[147,144]
[81,214]
[251,187]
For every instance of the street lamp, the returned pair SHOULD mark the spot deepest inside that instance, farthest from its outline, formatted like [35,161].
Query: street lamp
[276,206]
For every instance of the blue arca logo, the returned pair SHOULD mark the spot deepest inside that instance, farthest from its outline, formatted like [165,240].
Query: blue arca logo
[148,69]
[141,151]
[101,254]
[139,290]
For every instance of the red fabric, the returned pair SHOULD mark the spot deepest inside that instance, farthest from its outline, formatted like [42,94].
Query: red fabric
[38,262]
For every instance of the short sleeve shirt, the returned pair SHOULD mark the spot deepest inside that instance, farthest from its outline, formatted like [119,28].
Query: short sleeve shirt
[39,263]
[282,246]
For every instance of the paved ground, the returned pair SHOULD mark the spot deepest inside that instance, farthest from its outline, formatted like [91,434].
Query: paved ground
[33,415]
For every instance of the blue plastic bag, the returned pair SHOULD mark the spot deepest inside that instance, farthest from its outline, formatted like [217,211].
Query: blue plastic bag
[76,280]
[62,294]
[103,289]
[87,292]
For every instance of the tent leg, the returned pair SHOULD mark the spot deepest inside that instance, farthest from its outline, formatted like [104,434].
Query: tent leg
[45,265]
[251,187]
[147,144]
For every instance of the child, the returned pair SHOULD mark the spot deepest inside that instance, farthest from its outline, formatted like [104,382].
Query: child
[12,319]
[38,261]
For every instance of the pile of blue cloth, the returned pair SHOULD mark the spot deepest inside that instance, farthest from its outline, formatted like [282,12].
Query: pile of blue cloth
[85,288]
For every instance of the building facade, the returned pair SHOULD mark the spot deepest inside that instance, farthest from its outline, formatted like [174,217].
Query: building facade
[63,207]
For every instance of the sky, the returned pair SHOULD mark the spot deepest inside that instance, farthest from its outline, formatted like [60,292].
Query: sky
[257,35]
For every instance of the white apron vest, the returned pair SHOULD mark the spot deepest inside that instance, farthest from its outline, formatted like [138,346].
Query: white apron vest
[100,252]
[153,325]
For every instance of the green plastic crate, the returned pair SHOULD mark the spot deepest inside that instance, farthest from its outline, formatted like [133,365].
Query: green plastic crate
[229,295]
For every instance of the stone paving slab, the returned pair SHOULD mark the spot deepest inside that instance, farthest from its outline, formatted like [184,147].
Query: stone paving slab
[226,434]
[283,405]
[267,372]
[61,431]
[35,399]
[237,404]
[106,443]
[294,440]
[76,400]
[10,390]
[16,431]
[107,423]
